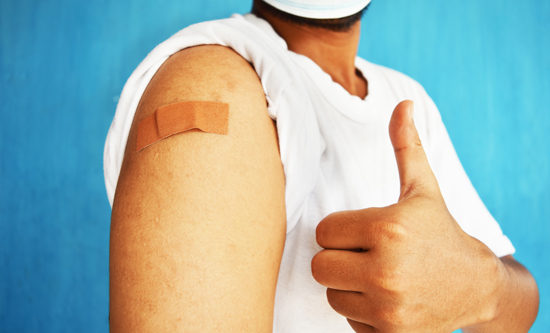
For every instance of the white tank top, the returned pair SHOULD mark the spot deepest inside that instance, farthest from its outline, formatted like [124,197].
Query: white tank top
[334,147]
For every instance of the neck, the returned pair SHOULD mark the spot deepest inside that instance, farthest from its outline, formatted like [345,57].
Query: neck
[333,51]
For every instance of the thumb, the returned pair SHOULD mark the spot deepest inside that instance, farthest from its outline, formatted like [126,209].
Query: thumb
[415,173]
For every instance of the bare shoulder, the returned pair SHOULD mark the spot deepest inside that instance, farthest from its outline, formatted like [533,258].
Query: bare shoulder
[198,223]
[210,72]
[206,73]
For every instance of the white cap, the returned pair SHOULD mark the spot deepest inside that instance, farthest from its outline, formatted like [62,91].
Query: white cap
[319,9]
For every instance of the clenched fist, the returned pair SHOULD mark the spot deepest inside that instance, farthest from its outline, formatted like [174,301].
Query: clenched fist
[407,267]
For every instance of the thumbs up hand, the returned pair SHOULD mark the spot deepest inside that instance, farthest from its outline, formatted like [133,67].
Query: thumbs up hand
[407,267]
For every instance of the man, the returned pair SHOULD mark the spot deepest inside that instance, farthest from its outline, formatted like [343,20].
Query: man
[207,227]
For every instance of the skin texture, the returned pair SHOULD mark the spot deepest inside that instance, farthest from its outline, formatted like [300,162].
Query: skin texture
[409,267]
[198,223]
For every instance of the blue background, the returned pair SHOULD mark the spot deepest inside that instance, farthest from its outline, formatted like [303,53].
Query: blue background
[63,64]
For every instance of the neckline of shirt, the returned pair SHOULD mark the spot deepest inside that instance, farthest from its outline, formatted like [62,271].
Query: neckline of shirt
[353,107]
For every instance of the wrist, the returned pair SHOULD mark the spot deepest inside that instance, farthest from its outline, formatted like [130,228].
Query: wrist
[493,287]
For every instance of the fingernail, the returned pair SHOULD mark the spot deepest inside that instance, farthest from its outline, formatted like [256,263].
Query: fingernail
[411,110]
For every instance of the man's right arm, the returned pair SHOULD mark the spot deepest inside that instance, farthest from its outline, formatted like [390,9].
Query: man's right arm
[198,224]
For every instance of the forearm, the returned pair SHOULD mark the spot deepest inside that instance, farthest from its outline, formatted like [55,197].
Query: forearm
[518,301]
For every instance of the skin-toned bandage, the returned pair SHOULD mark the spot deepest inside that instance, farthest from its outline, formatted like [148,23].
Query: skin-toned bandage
[209,117]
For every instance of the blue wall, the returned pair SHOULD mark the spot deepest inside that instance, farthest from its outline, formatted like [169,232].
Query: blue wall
[63,64]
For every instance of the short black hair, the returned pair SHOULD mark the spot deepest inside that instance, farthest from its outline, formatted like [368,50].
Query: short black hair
[338,25]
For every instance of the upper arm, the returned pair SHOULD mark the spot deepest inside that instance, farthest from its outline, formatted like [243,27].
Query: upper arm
[198,223]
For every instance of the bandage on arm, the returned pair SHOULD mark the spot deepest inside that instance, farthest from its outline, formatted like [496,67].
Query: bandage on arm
[168,120]
[198,223]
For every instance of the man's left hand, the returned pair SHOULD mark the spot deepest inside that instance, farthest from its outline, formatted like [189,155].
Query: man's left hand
[407,267]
